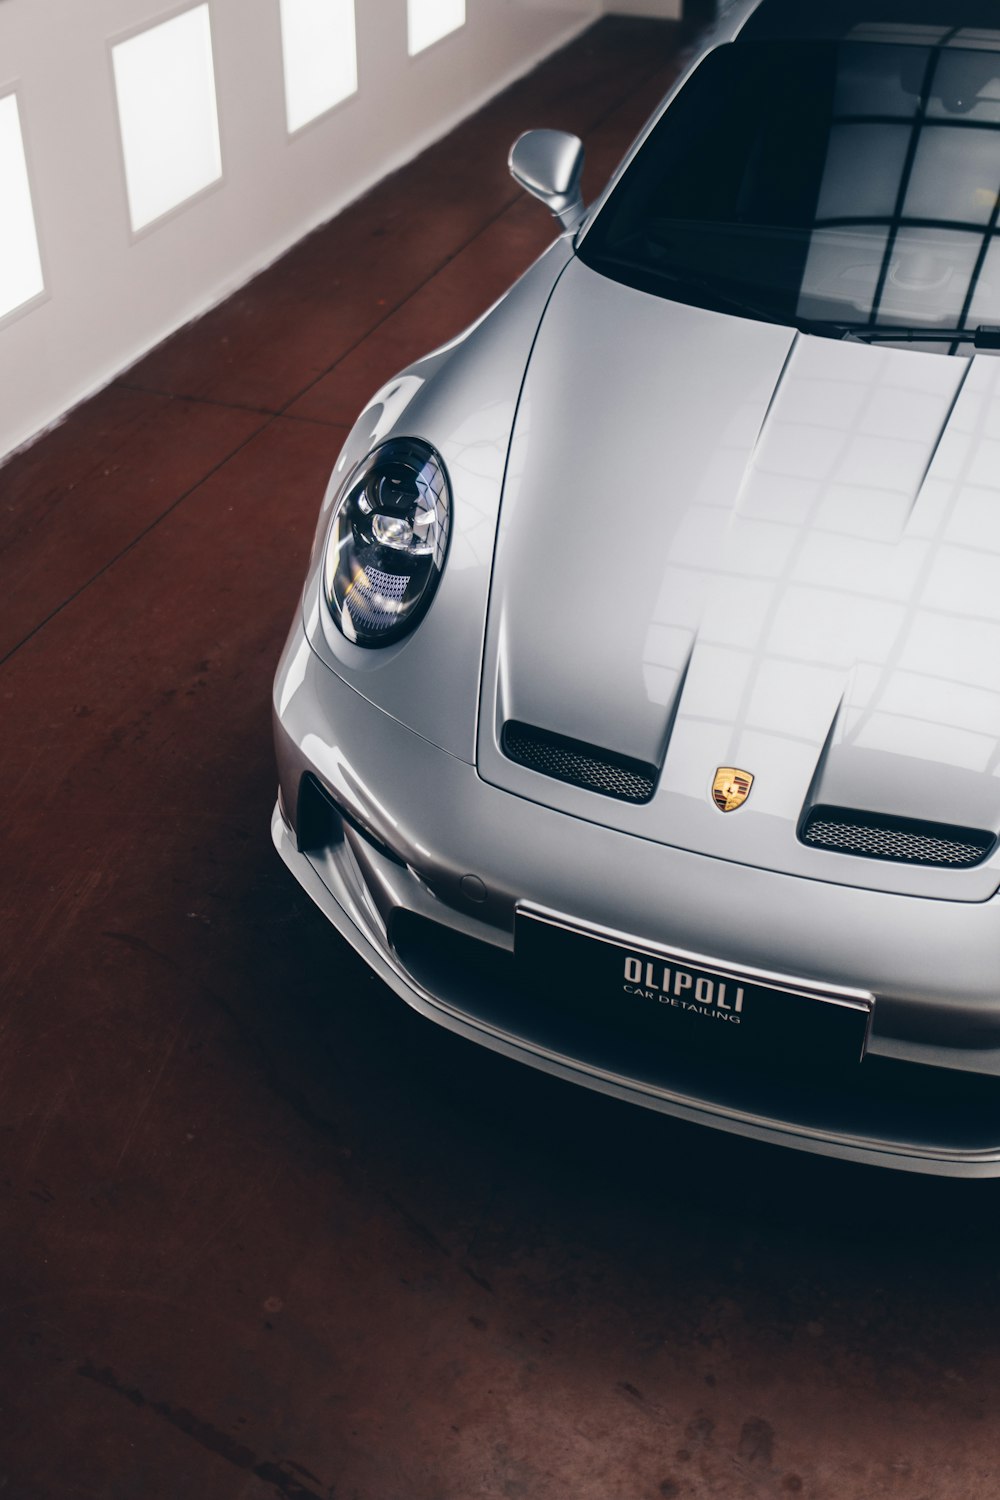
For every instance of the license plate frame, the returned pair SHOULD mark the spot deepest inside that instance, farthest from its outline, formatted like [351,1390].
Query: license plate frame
[684,1001]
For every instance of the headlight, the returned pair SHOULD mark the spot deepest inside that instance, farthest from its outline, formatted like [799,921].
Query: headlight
[387,542]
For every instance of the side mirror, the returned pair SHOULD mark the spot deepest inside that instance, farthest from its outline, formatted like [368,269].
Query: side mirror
[549,164]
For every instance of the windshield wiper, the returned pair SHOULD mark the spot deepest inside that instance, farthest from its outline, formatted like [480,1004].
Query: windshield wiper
[707,294]
[986,336]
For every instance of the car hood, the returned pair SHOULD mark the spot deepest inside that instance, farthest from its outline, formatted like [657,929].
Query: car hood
[725,544]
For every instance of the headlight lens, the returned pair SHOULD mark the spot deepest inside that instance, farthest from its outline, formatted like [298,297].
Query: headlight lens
[387,542]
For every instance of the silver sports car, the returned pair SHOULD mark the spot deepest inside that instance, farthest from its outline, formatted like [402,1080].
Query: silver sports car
[641,718]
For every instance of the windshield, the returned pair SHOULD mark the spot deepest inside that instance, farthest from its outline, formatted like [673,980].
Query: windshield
[820,184]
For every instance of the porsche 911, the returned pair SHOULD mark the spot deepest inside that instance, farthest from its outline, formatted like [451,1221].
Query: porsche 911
[640,719]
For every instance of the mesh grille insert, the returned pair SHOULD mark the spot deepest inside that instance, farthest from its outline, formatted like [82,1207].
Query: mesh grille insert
[581,765]
[905,840]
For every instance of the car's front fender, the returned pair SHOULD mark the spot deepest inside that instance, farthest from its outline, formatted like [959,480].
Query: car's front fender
[462,400]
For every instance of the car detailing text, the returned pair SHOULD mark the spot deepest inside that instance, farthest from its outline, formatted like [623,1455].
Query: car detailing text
[720,999]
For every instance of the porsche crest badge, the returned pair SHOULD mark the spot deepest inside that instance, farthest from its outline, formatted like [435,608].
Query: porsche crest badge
[731,788]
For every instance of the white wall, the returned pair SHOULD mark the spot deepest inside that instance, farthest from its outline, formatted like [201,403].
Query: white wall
[110,294]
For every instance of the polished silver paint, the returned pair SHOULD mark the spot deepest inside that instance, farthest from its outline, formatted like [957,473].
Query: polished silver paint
[809,589]
[462,400]
[444,822]
[549,164]
[812,546]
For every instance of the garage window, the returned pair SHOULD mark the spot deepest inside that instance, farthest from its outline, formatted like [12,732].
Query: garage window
[429,20]
[320,57]
[20,263]
[165,82]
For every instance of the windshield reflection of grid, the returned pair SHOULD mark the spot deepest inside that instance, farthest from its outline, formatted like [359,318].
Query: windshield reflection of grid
[922,218]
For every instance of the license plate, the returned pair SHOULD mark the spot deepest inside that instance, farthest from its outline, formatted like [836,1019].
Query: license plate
[680,1001]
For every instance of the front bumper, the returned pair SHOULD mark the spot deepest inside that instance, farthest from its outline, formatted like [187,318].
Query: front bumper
[424,876]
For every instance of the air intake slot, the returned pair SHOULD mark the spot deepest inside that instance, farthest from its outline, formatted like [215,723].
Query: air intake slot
[581,765]
[906,841]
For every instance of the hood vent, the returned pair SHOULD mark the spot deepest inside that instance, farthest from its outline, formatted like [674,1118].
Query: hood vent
[908,841]
[581,765]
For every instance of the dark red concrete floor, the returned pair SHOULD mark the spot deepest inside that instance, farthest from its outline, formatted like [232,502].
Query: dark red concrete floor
[263,1232]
